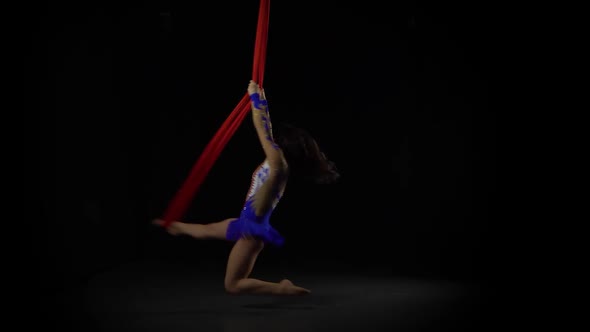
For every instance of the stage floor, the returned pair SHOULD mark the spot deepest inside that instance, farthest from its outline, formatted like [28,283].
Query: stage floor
[160,296]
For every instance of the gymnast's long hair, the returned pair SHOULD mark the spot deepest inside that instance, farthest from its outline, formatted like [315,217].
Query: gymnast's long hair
[304,156]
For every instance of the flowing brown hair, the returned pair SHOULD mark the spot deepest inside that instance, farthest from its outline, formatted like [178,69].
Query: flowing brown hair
[304,156]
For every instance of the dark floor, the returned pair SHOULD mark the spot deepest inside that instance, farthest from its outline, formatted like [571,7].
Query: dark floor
[157,296]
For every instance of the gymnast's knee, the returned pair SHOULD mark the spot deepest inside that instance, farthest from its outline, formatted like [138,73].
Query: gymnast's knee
[232,287]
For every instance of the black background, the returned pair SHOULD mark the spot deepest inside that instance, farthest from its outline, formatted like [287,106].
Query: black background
[124,97]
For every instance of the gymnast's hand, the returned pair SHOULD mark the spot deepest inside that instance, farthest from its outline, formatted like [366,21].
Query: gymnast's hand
[253,88]
[257,95]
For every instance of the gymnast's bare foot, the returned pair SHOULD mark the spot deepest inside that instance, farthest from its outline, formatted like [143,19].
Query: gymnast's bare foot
[175,228]
[286,287]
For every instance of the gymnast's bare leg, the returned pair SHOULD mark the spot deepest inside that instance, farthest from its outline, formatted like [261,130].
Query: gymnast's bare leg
[239,266]
[240,262]
[211,231]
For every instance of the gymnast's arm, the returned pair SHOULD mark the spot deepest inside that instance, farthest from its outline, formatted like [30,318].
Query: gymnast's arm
[266,194]
[263,125]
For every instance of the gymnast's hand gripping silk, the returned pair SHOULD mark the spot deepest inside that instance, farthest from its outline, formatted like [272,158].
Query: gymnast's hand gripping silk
[180,202]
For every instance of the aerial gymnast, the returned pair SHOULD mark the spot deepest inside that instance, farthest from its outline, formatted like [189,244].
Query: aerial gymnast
[292,154]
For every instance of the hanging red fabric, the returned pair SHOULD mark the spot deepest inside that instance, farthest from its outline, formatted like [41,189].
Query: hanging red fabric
[180,202]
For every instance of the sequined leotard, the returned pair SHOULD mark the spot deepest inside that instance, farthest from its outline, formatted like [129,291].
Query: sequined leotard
[249,224]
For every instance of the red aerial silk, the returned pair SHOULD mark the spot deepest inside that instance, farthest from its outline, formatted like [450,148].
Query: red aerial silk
[180,202]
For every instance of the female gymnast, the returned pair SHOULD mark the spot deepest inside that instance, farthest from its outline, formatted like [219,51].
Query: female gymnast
[292,154]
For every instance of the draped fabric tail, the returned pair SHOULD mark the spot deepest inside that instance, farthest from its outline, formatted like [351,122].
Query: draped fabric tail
[179,204]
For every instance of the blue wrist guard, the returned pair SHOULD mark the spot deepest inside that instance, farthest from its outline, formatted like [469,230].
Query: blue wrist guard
[259,104]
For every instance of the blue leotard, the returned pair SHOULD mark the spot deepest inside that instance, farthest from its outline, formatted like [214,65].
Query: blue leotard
[249,224]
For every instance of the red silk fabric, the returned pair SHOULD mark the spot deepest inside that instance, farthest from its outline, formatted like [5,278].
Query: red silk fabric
[180,202]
